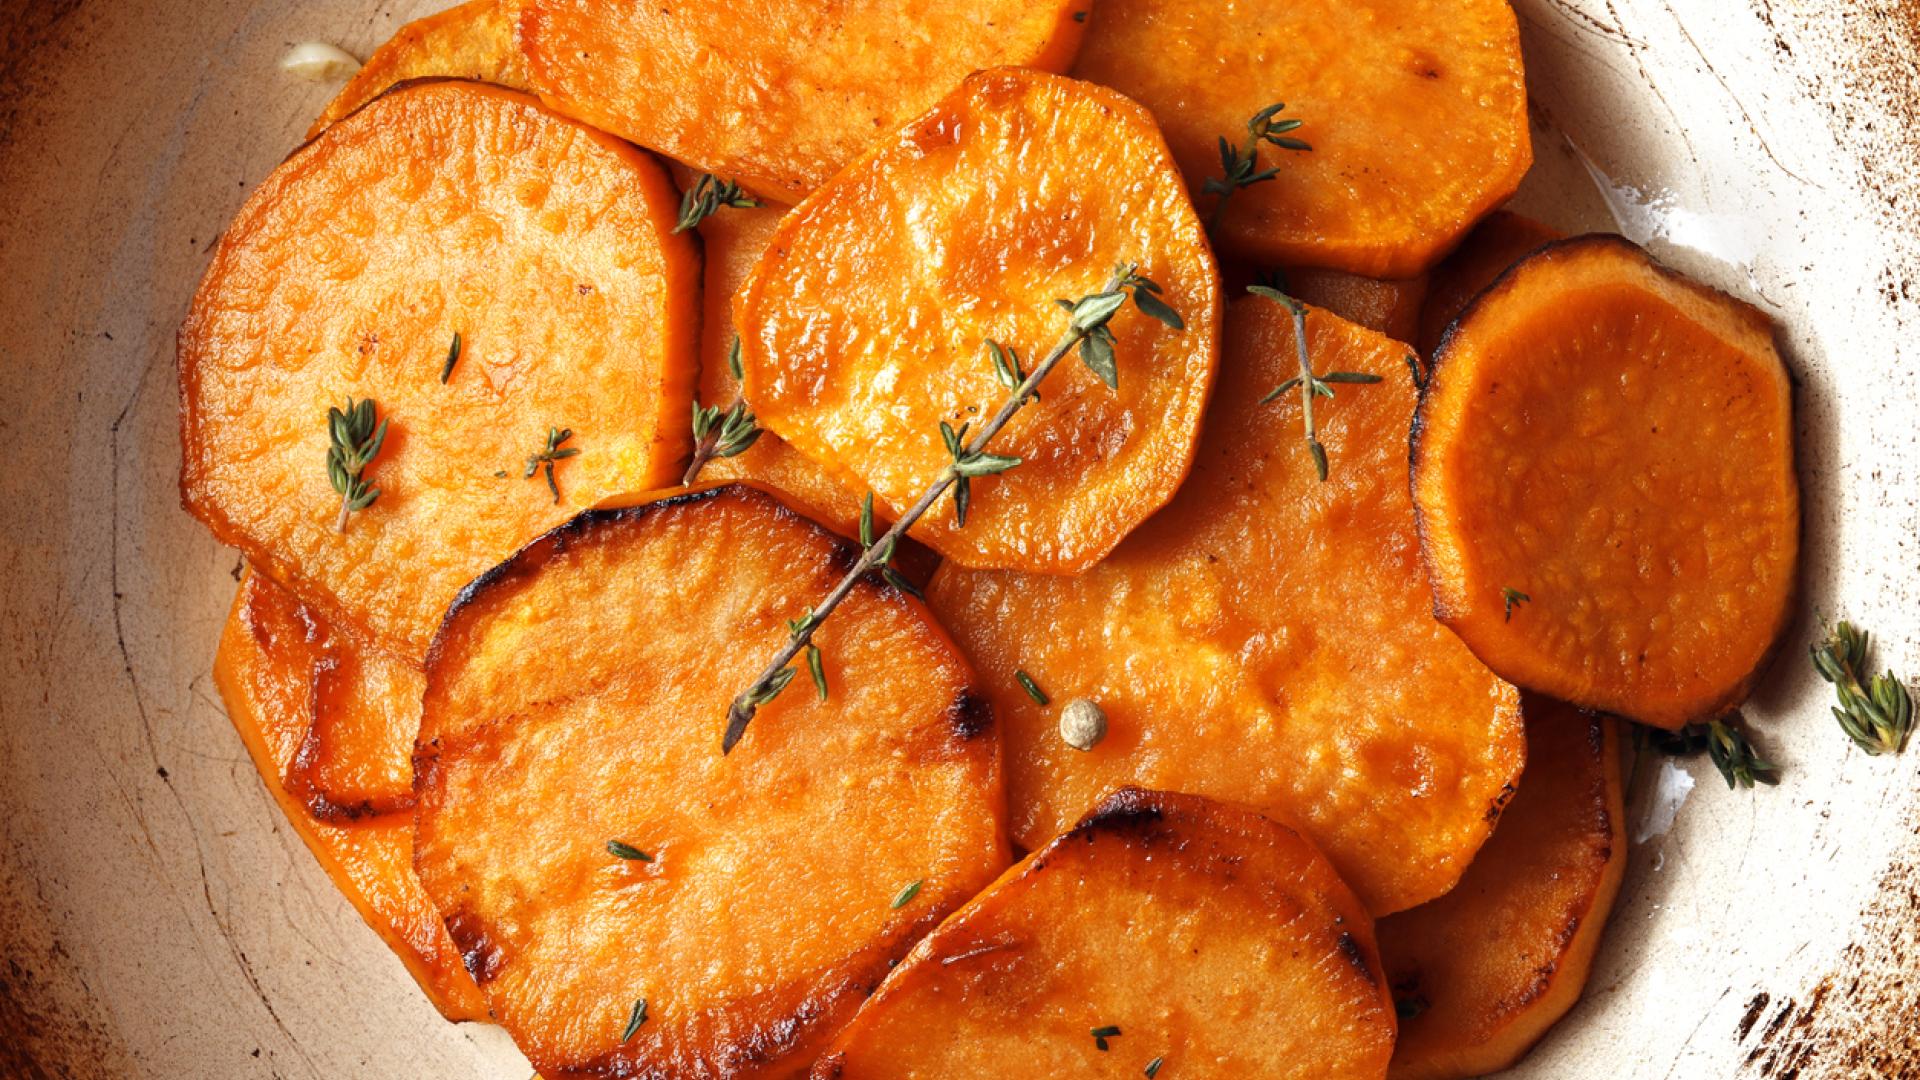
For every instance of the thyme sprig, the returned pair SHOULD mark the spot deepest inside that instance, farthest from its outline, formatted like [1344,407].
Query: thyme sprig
[1310,385]
[549,454]
[883,557]
[816,666]
[1240,163]
[1086,325]
[1728,747]
[707,195]
[719,435]
[354,442]
[1876,711]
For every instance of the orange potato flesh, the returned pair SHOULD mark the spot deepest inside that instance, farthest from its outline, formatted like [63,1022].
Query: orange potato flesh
[1266,638]
[441,208]
[781,95]
[576,696]
[863,325]
[1480,974]
[1416,111]
[1386,307]
[1216,941]
[470,41]
[1615,444]
[1495,244]
[265,669]
[357,757]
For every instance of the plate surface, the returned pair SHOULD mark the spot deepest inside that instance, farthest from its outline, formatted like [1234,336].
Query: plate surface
[157,918]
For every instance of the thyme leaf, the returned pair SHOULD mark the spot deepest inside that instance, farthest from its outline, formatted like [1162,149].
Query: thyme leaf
[548,454]
[1875,711]
[354,441]
[720,435]
[705,198]
[1240,163]
[1314,385]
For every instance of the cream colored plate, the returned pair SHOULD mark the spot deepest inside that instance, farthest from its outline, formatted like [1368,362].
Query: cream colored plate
[158,919]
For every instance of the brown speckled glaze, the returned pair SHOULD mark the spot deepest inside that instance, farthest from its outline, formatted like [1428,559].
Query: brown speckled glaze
[157,919]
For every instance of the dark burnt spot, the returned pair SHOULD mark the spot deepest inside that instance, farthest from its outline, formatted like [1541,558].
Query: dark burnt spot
[1356,955]
[970,716]
[1755,1007]
[482,955]
[1500,801]
[1128,809]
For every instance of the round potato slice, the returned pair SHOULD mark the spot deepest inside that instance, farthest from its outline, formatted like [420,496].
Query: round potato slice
[781,94]
[271,653]
[468,41]
[1603,465]
[1480,974]
[1163,934]
[632,902]
[1416,111]
[864,326]
[442,208]
[1267,638]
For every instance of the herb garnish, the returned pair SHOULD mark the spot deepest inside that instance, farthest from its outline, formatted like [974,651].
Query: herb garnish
[1876,712]
[1310,385]
[1240,164]
[802,625]
[453,357]
[719,435]
[1006,366]
[1102,1034]
[1513,597]
[1086,330]
[707,195]
[621,850]
[884,556]
[549,454]
[967,464]
[635,1019]
[1153,1068]
[1032,688]
[355,442]
[1727,746]
[907,894]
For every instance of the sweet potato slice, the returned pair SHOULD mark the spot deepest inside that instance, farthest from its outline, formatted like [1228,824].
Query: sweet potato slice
[265,670]
[1495,244]
[863,326]
[576,697]
[1267,638]
[1163,927]
[1603,465]
[1481,973]
[356,759]
[1390,307]
[469,41]
[1416,111]
[782,95]
[441,208]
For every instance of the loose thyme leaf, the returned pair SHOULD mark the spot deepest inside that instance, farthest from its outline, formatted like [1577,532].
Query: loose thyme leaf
[1513,598]
[549,454]
[1876,712]
[1734,756]
[1419,374]
[906,895]
[621,850]
[1311,385]
[1153,1068]
[1032,688]
[1156,308]
[354,441]
[733,360]
[453,357]
[1102,1034]
[707,195]
[635,1019]
[1240,164]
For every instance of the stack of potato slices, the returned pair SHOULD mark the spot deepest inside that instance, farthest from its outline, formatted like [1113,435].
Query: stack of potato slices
[1313,756]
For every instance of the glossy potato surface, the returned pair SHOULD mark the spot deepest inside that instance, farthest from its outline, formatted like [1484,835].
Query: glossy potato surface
[1495,244]
[269,653]
[864,324]
[468,41]
[1615,443]
[780,94]
[576,696]
[441,208]
[1390,307]
[356,759]
[1416,111]
[1214,940]
[1267,638]
[1480,974]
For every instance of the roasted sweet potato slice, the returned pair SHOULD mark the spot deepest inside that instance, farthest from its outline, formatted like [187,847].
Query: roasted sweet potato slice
[440,209]
[782,95]
[356,759]
[469,41]
[269,654]
[1267,638]
[1495,244]
[1481,973]
[1603,465]
[1390,307]
[864,325]
[1163,927]
[1416,111]
[575,700]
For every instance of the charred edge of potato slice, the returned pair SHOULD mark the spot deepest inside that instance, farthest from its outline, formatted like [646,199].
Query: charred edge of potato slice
[1483,621]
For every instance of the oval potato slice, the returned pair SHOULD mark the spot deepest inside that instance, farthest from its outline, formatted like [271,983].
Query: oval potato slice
[441,208]
[1603,465]
[1162,928]
[781,94]
[270,651]
[1416,111]
[1480,974]
[863,327]
[469,41]
[576,698]
[1267,638]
